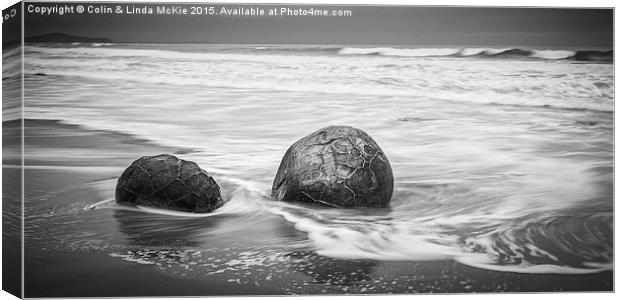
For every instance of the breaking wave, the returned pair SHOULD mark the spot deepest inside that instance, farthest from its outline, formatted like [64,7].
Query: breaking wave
[579,55]
[531,83]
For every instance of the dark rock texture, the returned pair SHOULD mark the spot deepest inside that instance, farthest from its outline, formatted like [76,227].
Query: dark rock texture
[338,166]
[164,181]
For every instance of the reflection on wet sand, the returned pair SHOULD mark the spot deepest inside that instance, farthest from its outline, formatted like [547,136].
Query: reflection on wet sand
[325,270]
[152,230]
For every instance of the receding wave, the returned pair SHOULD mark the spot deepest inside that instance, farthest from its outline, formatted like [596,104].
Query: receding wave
[571,243]
[579,55]
[493,95]
[559,245]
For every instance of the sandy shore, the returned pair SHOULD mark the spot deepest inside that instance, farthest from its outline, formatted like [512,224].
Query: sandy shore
[67,165]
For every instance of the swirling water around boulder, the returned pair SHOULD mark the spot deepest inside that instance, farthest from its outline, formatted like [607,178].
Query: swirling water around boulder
[425,222]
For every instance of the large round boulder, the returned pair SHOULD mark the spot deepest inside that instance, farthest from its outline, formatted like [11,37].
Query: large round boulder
[164,181]
[337,166]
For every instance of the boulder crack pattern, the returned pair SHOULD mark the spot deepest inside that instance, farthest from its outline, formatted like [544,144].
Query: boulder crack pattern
[336,167]
[164,181]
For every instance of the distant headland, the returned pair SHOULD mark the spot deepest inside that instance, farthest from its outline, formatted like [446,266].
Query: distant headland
[65,38]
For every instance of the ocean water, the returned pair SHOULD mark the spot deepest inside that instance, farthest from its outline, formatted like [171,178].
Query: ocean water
[502,159]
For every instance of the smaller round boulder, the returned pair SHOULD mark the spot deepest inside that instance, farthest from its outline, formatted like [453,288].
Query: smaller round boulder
[337,166]
[166,182]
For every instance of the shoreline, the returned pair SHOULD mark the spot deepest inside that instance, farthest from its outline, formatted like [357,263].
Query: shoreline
[67,178]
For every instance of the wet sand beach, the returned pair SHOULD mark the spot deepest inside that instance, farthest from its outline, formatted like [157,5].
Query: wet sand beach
[112,252]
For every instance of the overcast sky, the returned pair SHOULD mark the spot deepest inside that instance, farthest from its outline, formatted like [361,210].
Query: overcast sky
[387,25]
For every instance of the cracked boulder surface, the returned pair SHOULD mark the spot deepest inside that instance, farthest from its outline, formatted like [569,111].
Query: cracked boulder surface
[164,181]
[337,166]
